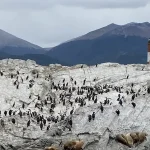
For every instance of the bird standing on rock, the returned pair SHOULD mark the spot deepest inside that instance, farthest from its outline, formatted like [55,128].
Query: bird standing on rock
[93,115]
[41,125]
[133,104]
[28,123]
[89,118]
[117,112]
[13,120]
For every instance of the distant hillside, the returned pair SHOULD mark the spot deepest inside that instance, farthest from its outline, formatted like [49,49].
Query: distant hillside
[16,46]
[48,49]
[97,33]
[113,43]
[21,50]
[40,59]
[9,40]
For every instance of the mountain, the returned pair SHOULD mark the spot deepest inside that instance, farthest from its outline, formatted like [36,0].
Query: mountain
[21,50]
[48,49]
[16,46]
[9,40]
[97,33]
[113,43]
[40,59]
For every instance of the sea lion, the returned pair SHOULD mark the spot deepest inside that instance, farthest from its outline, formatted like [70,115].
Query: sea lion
[78,145]
[50,148]
[141,136]
[129,140]
[121,139]
[69,145]
[134,137]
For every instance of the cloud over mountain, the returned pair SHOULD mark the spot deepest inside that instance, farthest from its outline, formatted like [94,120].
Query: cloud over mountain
[48,23]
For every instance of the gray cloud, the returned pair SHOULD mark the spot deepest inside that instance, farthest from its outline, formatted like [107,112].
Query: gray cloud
[106,3]
[47,4]
[50,22]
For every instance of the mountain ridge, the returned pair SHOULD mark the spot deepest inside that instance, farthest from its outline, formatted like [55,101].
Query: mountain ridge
[7,39]
[113,43]
[106,29]
[40,59]
[119,39]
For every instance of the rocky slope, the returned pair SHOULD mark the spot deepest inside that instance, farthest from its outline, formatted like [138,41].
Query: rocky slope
[31,90]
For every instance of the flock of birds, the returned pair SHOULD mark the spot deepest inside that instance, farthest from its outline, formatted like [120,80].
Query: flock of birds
[84,94]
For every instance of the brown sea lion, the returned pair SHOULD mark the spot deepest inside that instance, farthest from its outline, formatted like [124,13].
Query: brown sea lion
[78,145]
[50,148]
[135,137]
[129,140]
[142,136]
[121,139]
[69,145]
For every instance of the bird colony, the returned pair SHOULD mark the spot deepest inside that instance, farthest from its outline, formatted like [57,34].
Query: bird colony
[101,107]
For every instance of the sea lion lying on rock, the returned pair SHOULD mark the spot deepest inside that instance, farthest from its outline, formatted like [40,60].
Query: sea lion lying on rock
[122,139]
[142,136]
[69,145]
[129,140]
[138,137]
[78,145]
[73,145]
[132,138]
[50,148]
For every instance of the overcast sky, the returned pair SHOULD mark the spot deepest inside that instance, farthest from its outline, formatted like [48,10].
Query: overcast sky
[51,22]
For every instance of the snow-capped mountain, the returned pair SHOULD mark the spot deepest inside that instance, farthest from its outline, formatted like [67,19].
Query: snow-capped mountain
[41,101]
